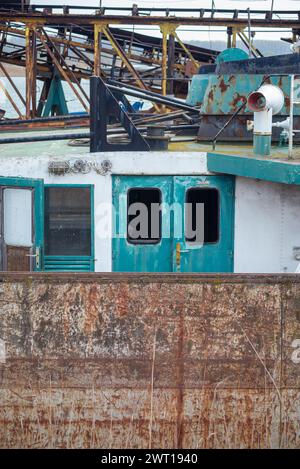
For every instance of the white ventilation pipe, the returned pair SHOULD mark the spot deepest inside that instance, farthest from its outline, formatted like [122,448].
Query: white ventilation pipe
[267,101]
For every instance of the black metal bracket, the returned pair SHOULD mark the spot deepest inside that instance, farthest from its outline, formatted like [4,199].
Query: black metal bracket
[104,106]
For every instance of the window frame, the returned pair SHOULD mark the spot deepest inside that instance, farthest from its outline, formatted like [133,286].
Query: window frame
[143,242]
[92,240]
[191,243]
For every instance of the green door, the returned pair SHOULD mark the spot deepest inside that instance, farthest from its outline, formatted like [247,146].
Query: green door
[213,250]
[138,253]
[21,224]
[192,231]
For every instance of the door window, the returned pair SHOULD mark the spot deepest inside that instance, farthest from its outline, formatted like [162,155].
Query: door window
[143,216]
[17,217]
[209,197]
[67,221]
[21,224]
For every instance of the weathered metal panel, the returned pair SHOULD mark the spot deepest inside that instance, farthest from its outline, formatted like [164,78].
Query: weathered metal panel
[210,125]
[284,64]
[147,360]
[224,94]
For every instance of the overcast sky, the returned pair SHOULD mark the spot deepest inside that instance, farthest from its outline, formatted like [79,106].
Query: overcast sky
[187,33]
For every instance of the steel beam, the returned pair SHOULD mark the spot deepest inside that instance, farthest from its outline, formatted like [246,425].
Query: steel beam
[121,53]
[186,50]
[61,70]
[97,51]
[9,97]
[11,82]
[277,20]
[61,58]
[30,44]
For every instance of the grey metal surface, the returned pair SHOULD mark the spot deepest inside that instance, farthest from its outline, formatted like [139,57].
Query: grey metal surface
[162,361]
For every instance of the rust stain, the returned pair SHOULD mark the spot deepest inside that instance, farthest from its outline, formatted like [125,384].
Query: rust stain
[223,86]
[121,300]
[287,101]
[237,101]
[223,375]
[180,384]
[90,293]
[210,100]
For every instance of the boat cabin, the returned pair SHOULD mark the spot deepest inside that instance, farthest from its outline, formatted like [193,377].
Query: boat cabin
[182,210]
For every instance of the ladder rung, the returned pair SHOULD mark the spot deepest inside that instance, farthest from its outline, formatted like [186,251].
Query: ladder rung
[296,131]
[296,102]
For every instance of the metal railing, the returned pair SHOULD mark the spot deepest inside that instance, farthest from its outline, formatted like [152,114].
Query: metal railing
[293,102]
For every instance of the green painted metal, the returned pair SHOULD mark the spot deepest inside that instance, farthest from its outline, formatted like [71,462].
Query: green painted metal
[232,54]
[209,257]
[74,263]
[38,210]
[56,102]
[262,144]
[255,168]
[197,90]
[68,264]
[224,94]
[200,84]
[128,257]
[161,257]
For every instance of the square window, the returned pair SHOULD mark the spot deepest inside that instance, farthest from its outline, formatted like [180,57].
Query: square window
[209,197]
[144,216]
[67,221]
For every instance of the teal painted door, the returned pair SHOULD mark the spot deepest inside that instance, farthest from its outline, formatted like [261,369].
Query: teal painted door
[21,227]
[213,252]
[196,224]
[130,255]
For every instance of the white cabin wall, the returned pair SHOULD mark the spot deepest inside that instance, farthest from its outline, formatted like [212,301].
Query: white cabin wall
[137,163]
[267,226]
[267,222]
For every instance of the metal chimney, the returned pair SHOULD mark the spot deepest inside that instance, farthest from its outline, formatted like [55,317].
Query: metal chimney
[265,102]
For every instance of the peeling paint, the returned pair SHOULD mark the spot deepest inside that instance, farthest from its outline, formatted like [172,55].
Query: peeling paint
[119,361]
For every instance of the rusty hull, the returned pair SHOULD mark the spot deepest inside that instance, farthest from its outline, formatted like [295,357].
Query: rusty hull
[140,361]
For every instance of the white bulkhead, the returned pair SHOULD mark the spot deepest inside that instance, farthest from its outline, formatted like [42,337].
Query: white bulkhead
[266,215]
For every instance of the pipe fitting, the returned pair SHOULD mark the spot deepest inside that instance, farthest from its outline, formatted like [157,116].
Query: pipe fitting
[265,102]
[267,97]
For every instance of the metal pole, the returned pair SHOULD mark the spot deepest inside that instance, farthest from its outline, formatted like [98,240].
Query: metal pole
[170,102]
[12,84]
[249,31]
[164,60]
[151,93]
[33,72]
[291,126]
[186,50]
[229,36]
[66,118]
[171,62]
[43,138]
[62,71]
[272,8]
[29,59]
[10,99]
[97,51]
[73,76]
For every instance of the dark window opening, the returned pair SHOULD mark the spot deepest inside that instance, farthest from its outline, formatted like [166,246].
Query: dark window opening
[210,199]
[143,216]
[67,221]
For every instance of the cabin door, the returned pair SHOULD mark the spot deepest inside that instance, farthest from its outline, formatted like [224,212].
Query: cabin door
[21,224]
[140,243]
[204,242]
[173,223]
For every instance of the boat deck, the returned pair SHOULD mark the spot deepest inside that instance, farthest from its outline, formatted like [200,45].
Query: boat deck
[235,159]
